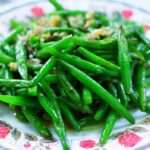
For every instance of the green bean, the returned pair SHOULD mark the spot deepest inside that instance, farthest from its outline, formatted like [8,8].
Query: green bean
[50,45]
[147,73]
[9,91]
[18,101]
[56,5]
[69,115]
[108,57]
[67,41]
[102,18]
[95,44]
[112,89]
[62,44]
[147,83]
[133,44]
[124,62]
[37,122]
[87,121]
[12,35]
[51,78]
[101,112]
[101,52]
[107,129]
[142,36]
[7,75]
[86,109]
[21,58]
[128,28]
[87,96]
[47,44]
[9,50]
[49,92]
[68,12]
[1,72]
[14,24]
[15,83]
[76,107]
[139,85]
[68,88]
[110,121]
[79,107]
[62,92]
[22,92]
[64,29]
[121,94]
[34,67]
[82,64]
[5,59]
[148,107]
[47,67]
[137,55]
[97,59]
[34,42]
[32,91]
[99,90]
[51,107]
[134,98]
[148,99]
[48,108]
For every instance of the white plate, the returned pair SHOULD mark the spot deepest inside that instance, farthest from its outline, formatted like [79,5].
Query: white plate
[18,136]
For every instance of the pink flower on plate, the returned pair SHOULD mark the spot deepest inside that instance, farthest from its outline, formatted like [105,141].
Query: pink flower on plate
[87,143]
[129,139]
[37,11]
[147,27]
[27,145]
[127,13]
[4,130]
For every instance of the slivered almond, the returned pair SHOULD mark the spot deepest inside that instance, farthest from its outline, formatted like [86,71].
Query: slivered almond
[97,33]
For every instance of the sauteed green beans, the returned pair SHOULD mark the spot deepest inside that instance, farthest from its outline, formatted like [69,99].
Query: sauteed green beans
[75,67]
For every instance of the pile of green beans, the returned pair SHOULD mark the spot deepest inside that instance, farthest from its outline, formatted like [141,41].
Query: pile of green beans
[75,73]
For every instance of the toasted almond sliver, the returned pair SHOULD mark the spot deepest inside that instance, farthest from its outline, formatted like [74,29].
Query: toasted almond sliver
[13,66]
[104,31]
[88,23]
[54,21]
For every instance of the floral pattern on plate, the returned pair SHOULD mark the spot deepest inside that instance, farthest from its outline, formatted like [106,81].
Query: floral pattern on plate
[124,137]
